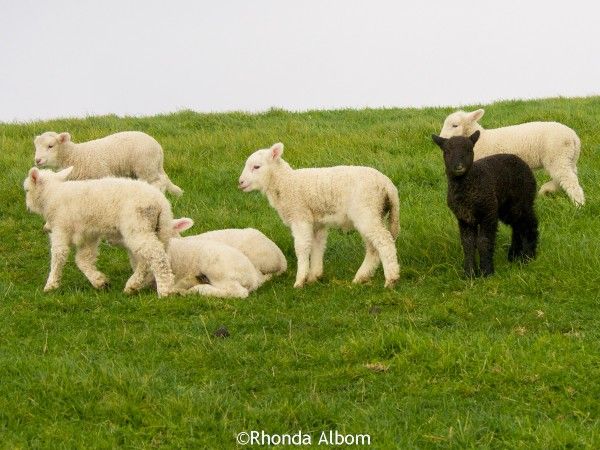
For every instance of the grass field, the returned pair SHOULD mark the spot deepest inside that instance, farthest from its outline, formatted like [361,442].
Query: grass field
[440,361]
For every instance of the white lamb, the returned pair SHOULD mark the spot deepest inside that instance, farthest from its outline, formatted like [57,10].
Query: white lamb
[311,200]
[208,267]
[127,154]
[550,145]
[81,213]
[258,248]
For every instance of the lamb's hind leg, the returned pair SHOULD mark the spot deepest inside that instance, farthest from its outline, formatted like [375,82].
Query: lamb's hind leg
[565,174]
[230,289]
[369,265]
[379,237]
[549,188]
[85,258]
[316,254]
[149,251]
[528,232]
[486,242]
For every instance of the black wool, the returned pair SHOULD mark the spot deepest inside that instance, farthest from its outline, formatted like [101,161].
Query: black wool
[499,187]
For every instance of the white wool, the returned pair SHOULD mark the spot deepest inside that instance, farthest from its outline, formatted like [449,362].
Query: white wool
[312,200]
[258,248]
[127,154]
[550,145]
[208,267]
[81,213]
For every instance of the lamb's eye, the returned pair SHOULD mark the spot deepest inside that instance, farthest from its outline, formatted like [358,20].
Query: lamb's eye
[256,167]
[50,146]
[454,126]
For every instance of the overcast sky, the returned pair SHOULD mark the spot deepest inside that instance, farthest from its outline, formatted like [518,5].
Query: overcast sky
[77,58]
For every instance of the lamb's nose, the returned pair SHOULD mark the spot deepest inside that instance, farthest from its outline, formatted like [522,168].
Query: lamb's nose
[240,182]
[38,161]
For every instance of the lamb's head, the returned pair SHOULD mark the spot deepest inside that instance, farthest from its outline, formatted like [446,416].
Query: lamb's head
[461,123]
[458,153]
[36,183]
[180,225]
[257,169]
[47,146]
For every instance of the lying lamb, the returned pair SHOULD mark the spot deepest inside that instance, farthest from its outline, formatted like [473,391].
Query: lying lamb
[498,187]
[207,267]
[311,200]
[258,248]
[81,213]
[550,145]
[128,154]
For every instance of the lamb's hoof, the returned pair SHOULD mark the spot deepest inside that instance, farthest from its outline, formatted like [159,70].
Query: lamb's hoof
[101,283]
[361,279]
[313,278]
[129,290]
[390,283]
[50,287]
[299,284]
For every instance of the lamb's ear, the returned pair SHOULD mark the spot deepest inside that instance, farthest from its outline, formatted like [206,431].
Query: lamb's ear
[474,137]
[180,225]
[476,115]
[276,151]
[64,174]
[34,175]
[440,141]
[63,137]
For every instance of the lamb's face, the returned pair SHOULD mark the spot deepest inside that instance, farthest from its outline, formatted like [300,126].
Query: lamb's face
[46,148]
[458,153]
[36,181]
[258,165]
[461,123]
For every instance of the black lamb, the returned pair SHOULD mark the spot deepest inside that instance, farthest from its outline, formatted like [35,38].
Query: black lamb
[498,187]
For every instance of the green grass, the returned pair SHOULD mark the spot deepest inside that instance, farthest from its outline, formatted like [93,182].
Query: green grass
[510,361]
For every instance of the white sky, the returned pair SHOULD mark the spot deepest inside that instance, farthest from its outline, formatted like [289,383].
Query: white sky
[76,58]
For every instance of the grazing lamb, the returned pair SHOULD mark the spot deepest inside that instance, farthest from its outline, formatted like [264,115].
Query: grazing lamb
[498,187]
[128,154]
[259,249]
[310,201]
[550,145]
[81,213]
[207,267]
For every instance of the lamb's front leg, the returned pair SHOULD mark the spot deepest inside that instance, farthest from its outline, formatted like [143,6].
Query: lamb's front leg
[316,254]
[85,258]
[486,242]
[468,238]
[59,252]
[303,233]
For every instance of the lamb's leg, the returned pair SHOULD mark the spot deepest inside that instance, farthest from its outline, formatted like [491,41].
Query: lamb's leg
[486,242]
[316,254]
[516,244]
[149,251]
[231,289]
[566,176]
[369,265]
[302,232]
[143,277]
[85,258]
[379,236]
[468,239]
[549,187]
[528,232]
[59,252]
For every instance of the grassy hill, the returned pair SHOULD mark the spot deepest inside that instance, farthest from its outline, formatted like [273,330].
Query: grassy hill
[509,361]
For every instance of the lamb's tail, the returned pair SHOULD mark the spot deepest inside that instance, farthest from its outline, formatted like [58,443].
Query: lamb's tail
[169,186]
[393,203]
[577,148]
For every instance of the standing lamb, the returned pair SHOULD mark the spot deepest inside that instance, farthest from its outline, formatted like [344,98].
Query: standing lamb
[550,145]
[311,200]
[208,267]
[258,248]
[127,154]
[498,187]
[81,213]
